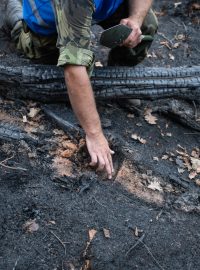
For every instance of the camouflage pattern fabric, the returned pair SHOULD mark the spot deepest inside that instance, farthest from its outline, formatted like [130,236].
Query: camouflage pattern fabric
[73,21]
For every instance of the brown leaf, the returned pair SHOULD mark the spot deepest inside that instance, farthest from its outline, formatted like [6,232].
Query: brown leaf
[92,234]
[31,226]
[137,138]
[106,233]
[151,119]
[195,6]
[63,166]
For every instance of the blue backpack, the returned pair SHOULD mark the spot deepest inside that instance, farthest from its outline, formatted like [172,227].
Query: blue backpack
[39,14]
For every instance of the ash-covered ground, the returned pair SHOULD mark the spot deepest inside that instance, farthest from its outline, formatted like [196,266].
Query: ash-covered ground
[56,213]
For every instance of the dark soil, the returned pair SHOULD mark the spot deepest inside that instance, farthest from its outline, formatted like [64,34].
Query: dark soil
[50,183]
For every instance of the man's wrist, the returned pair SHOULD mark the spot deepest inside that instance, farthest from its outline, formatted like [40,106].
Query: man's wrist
[136,20]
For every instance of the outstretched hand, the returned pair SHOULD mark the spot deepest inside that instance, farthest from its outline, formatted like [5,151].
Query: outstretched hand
[135,36]
[100,153]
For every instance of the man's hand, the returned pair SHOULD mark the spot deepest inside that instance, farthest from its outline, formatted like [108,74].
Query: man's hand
[135,37]
[100,152]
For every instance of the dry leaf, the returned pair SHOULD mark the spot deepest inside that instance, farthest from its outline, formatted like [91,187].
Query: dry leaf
[192,175]
[195,164]
[180,170]
[24,120]
[155,185]
[176,45]
[165,157]
[58,132]
[195,6]
[31,226]
[177,4]
[33,112]
[106,233]
[171,57]
[137,138]
[168,134]
[63,166]
[156,158]
[98,64]
[149,117]
[92,234]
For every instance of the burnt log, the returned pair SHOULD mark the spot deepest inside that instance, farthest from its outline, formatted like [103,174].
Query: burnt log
[46,83]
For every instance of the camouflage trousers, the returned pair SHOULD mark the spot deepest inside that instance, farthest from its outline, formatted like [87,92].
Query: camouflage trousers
[44,48]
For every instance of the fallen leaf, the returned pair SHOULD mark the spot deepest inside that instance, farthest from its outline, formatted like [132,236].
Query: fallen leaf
[137,138]
[156,158]
[192,175]
[106,233]
[151,119]
[31,226]
[33,112]
[195,164]
[195,6]
[98,64]
[155,185]
[168,134]
[63,166]
[177,4]
[176,45]
[92,234]
[165,157]
[24,119]
[58,132]
[171,57]
[180,170]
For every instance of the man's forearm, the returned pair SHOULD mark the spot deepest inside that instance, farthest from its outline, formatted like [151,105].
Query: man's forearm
[138,9]
[82,99]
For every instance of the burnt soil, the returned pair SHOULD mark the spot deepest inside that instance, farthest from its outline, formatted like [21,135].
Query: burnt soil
[49,183]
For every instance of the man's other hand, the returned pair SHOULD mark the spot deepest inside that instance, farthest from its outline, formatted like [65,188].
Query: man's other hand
[135,37]
[100,152]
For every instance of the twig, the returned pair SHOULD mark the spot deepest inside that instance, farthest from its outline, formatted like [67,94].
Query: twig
[13,168]
[60,241]
[152,256]
[9,167]
[16,263]
[136,244]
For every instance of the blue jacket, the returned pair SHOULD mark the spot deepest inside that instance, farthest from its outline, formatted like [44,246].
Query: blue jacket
[40,18]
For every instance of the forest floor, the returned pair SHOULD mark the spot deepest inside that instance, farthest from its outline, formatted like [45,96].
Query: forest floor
[56,213]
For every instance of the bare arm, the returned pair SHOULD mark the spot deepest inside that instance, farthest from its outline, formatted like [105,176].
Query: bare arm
[83,103]
[138,10]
